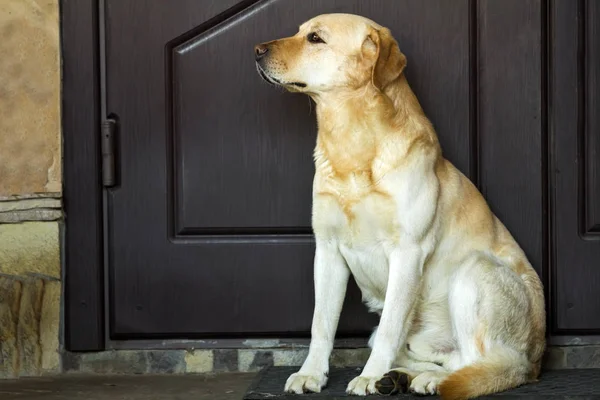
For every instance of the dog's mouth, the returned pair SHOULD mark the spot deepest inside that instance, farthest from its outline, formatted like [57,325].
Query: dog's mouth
[266,78]
[274,81]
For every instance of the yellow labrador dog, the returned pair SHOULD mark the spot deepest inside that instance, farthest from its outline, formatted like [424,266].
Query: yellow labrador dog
[462,309]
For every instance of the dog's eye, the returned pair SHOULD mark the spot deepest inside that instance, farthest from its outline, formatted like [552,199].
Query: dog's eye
[314,38]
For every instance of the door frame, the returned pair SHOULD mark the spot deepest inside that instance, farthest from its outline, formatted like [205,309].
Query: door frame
[85,293]
[83,260]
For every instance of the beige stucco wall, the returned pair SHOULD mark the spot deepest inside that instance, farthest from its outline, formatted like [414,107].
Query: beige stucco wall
[29,97]
[30,187]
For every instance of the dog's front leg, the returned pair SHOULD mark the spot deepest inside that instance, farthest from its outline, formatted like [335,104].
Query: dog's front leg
[405,268]
[331,279]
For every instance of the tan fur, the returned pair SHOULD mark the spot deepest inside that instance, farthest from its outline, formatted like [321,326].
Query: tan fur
[477,380]
[374,139]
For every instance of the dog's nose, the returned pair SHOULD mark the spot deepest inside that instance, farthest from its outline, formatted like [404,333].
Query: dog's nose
[260,50]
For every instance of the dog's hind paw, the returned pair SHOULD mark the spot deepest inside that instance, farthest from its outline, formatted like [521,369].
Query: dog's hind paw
[427,382]
[392,383]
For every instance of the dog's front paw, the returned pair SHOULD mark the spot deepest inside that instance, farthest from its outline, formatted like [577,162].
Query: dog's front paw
[362,385]
[303,383]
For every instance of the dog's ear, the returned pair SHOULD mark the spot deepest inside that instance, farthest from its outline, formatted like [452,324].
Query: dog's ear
[388,60]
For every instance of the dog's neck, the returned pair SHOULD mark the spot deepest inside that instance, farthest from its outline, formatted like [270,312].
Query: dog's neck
[403,98]
[355,124]
[392,110]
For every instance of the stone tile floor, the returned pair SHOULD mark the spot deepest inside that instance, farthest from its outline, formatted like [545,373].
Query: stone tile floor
[225,386]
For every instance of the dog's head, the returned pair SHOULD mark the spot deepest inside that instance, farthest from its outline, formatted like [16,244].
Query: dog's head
[330,52]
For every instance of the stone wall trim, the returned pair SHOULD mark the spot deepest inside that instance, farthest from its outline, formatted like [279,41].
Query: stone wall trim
[251,360]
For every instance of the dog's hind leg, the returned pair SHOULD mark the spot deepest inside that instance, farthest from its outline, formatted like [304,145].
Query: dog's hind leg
[489,309]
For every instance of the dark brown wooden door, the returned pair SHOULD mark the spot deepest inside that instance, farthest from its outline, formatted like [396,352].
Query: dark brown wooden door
[208,229]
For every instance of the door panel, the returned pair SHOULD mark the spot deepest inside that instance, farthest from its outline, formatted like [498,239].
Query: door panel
[575,152]
[510,125]
[240,168]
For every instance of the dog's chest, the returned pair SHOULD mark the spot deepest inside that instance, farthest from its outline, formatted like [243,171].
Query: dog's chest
[370,268]
[354,210]
[361,218]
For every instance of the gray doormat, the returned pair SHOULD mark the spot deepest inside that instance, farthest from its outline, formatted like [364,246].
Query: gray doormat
[561,384]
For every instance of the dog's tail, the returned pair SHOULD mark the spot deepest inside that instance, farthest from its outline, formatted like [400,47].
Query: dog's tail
[494,373]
